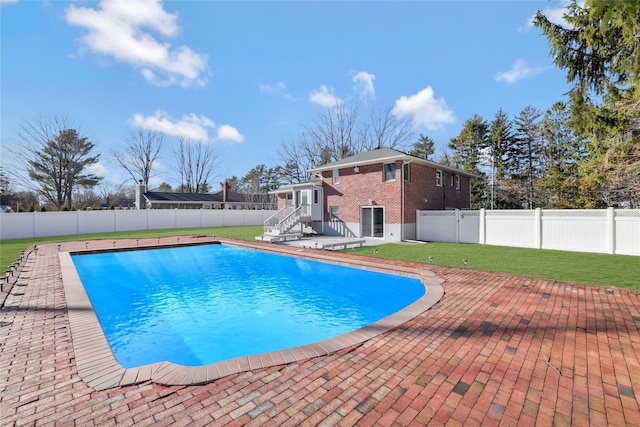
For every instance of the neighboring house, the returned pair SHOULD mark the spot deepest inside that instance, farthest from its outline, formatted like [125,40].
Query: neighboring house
[373,194]
[119,204]
[223,199]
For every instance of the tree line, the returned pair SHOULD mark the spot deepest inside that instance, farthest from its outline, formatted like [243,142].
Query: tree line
[579,153]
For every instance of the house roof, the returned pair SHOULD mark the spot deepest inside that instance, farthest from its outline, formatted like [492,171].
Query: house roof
[290,187]
[168,197]
[385,155]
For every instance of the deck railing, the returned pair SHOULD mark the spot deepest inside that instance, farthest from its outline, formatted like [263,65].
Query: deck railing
[286,218]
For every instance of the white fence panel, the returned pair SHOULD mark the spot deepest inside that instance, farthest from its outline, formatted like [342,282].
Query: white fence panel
[131,220]
[214,218]
[231,218]
[613,231]
[54,223]
[627,236]
[448,226]
[468,226]
[436,226]
[575,230]
[189,218]
[510,228]
[96,221]
[43,224]
[158,219]
[14,226]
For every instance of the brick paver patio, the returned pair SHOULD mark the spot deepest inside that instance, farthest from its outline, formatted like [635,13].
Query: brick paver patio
[496,349]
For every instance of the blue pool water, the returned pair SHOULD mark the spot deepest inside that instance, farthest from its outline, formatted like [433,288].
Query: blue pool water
[197,305]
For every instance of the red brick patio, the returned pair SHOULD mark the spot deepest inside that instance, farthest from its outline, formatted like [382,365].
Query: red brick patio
[497,349]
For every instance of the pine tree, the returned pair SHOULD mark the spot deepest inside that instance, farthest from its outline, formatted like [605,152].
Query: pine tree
[500,146]
[59,168]
[524,159]
[467,150]
[600,53]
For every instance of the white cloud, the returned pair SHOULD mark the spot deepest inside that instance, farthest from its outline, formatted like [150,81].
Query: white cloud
[519,70]
[278,89]
[229,133]
[98,169]
[363,84]
[427,111]
[119,29]
[325,97]
[189,126]
[6,2]
[554,14]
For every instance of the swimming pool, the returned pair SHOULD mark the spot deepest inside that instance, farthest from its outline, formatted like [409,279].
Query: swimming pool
[198,305]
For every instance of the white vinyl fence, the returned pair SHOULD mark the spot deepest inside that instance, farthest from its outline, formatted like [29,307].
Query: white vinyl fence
[612,231]
[39,224]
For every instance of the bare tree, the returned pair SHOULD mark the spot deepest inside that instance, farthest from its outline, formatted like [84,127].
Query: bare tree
[195,163]
[142,149]
[32,135]
[340,132]
[333,135]
[55,158]
[385,129]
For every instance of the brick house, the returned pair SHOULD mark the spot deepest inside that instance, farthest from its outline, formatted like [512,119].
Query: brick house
[374,194]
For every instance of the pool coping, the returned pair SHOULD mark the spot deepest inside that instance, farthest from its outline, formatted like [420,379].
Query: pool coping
[98,368]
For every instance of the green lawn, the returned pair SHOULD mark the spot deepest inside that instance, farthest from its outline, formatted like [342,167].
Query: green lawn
[10,249]
[595,269]
[588,268]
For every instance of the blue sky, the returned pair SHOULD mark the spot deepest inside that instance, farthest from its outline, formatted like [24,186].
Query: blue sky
[246,76]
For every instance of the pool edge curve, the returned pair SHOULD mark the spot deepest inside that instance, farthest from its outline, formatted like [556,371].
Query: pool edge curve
[98,368]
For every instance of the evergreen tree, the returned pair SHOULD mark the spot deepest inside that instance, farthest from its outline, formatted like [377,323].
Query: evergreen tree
[524,159]
[562,155]
[467,150]
[600,53]
[59,168]
[500,146]
[423,148]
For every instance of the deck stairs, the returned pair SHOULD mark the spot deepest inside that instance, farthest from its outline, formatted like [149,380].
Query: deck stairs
[288,221]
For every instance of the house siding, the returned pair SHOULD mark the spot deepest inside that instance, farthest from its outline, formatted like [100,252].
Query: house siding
[357,189]
[421,192]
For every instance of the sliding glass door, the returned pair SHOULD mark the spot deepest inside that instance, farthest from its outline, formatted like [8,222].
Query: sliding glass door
[372,221]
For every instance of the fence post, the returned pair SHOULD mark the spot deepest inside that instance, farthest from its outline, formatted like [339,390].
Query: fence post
[482,238]
[611,231]
[537,239]
[457,218]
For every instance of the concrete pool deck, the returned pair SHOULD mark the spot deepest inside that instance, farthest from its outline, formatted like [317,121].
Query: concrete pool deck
[496,349]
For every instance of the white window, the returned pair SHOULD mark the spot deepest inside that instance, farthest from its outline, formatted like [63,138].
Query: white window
[457,182]
[406,173]
[316,196]
[439,178]
[334,213]
[336,176]
[389,172]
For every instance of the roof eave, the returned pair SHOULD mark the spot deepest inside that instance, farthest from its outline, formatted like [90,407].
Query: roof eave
[388,159]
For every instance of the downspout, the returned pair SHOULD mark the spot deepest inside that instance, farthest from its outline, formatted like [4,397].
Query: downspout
[322,207]
[402,204]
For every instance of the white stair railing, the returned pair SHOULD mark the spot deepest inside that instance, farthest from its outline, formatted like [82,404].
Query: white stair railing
[285,218]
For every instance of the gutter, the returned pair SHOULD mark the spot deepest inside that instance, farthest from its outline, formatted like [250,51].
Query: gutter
[402,239]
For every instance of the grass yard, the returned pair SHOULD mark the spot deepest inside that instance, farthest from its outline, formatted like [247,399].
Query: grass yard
[594,269]
[588,268]
[10,249]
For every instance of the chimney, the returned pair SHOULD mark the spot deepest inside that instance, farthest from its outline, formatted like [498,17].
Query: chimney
[225,191]
[140,190]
